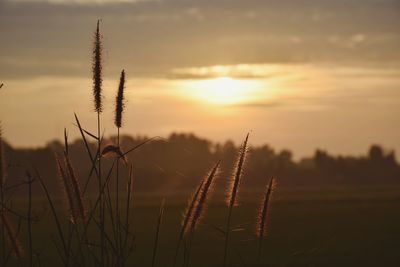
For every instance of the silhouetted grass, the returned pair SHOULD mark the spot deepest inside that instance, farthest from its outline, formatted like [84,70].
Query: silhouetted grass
[98,230]
[232,193]
[157,236]
[263,216]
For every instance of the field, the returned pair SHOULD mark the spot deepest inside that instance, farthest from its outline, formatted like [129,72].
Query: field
[330,226]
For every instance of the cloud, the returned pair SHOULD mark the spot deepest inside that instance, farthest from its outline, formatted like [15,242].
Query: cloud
[77,2]
[258,105]
[347,41]
[152,37]
[244,71]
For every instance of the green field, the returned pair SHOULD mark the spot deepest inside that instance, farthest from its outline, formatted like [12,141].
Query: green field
[357,226]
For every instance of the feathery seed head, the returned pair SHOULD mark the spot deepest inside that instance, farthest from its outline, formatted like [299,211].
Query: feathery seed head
[235,179]
[97,69]
[67,188]
[76,190]
[119,103]
[263,214]
[204,194]
[189,210]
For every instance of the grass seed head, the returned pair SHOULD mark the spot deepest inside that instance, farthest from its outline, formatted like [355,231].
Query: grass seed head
[263,214]
[235,179]
[119,101]
[204,194]
[97,69]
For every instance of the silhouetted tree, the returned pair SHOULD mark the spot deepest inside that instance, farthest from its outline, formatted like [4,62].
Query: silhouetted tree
[178,163]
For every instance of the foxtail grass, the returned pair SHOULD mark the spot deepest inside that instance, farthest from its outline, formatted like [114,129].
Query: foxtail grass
[76,189]
[97,94]
[119,101]
[71,187]
[67,188]
[73,181]
[263,216]
[204,195]
[233,191]
[104,250]
[97,69]
[200,206]
[187,217]
[119,108]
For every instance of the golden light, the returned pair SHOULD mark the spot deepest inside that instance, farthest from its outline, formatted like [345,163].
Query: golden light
[223,90]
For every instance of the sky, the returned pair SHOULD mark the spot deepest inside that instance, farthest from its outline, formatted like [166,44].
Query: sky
[300,75]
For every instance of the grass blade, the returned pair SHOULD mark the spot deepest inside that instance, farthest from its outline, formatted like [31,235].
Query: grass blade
[157,237]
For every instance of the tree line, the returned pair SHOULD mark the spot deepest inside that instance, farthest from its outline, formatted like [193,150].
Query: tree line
[178,162]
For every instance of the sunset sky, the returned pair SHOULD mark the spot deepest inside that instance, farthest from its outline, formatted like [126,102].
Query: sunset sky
[300,75]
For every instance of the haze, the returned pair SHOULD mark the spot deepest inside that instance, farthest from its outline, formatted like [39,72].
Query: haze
[300,75]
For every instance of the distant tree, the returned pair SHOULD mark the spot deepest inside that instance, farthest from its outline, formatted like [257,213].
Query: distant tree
[322,159]
[179,161]
[376,153]
[285,160]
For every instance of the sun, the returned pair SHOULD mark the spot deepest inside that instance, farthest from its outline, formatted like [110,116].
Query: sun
[222,90]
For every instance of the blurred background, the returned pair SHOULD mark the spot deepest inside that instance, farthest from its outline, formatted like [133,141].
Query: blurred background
[300,74]
[315,82]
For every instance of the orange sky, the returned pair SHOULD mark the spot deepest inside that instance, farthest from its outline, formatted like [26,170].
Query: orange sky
[318,74]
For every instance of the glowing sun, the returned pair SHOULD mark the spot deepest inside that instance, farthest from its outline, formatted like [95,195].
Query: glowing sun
[222,90]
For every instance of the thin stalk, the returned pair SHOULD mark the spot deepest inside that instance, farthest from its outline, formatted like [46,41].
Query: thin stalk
[30,181]
[2,199]
[189,249]
[137,146]
[57,221]
[3,235]
[93,160]
[102,203]
[12,235]
[228,227]
[118,243]
[97,203]
[260,241]
[127,211]
[69,236]
[157,237]
[110,211]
